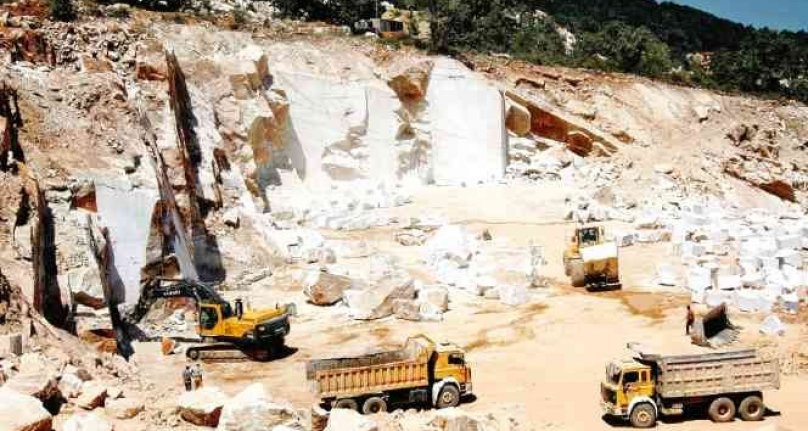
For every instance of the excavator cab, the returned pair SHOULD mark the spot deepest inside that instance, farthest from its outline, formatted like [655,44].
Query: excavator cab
[212,318]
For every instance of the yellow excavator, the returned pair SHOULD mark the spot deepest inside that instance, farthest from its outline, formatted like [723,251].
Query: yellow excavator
[591,261]
[227,332]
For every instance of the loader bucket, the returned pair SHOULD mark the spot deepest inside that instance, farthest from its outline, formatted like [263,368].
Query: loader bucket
[713,329]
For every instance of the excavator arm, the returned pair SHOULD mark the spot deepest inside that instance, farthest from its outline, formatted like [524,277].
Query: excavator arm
[163,288]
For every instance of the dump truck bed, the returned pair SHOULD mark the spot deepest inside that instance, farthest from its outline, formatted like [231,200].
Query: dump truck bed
[714,373]
[404,368]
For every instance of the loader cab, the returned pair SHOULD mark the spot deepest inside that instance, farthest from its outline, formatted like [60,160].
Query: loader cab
[588,235]
[624,381]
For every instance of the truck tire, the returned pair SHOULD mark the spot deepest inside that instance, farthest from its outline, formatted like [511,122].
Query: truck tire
[449,396]
[643,416]
[566,266]
[374,405]
[577,273]
[752,408]
[346,403]
[721,410]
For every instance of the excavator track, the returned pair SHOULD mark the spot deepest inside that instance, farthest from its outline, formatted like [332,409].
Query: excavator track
[225,352]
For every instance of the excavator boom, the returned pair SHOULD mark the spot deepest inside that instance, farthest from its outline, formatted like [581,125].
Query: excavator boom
[155,290]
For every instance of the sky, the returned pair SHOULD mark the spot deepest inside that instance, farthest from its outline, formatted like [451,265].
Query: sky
[776,14]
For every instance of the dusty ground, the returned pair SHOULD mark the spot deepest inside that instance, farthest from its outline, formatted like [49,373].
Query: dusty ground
[546,357]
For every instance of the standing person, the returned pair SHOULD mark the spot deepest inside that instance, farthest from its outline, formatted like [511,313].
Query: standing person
[197,375]
[690,319]
[186,377]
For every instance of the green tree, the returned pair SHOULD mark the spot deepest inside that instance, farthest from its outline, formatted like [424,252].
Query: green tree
[538,42]
[62,10]
[620,47]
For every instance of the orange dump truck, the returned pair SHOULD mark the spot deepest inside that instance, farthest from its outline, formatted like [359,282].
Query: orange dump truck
[422,372]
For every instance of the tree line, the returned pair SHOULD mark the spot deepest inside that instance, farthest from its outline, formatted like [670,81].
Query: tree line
[634,36]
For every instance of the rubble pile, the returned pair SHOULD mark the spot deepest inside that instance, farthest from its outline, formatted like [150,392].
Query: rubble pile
[461,261]
[752,260]
[451,419]
[343,207]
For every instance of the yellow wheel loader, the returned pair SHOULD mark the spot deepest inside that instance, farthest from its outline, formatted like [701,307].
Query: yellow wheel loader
[226,332]
[591,261]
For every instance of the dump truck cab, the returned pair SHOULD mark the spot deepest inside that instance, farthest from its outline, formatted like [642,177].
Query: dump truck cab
[450,368]
[626,383]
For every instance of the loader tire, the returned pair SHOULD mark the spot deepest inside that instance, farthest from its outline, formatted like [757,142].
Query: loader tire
[374,405]
[721,410]
[449,396]
[752,408]
[577,273]
[346,403]
[643,416]
[566,267]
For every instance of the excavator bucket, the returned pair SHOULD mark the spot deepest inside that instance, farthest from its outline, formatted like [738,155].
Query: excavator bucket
[713,329]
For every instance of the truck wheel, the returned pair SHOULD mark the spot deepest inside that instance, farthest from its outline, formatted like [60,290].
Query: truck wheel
[346,403]
[577,273]
[752,408]
[449,396]
[374,405]
[721,410]
[566,267]
[643,416]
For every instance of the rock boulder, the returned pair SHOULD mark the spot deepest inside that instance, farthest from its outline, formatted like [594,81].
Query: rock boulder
[124,408]
[517,119]
[40,385]
[322,288]
[202,407]
[93,421]
[349,420]
[252,409]
[21,412]
[92,395]
[376,300]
